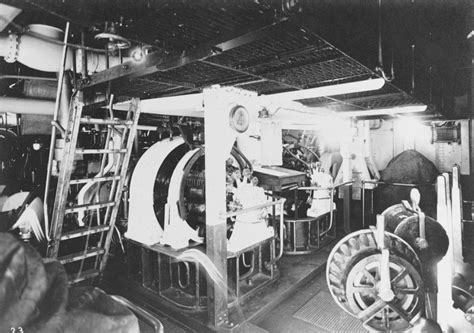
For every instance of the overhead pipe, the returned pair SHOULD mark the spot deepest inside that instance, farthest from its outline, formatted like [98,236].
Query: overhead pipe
[40,49]
[26,106]
[40,89]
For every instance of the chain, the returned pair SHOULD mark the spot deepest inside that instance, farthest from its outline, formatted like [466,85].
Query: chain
[14,46]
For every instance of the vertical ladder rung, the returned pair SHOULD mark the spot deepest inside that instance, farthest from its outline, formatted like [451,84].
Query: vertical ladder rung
[87,274]
[95,121]
[80,208]
[84,232]
[91,252]
[94,179]
[100,151]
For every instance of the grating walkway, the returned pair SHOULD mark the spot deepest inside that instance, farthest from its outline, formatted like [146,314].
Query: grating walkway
[323,312]
[310,309]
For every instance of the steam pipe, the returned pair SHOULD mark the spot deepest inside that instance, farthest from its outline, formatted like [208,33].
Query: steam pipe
[44,53]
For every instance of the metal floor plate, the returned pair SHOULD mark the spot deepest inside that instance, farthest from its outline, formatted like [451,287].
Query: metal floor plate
[322,311]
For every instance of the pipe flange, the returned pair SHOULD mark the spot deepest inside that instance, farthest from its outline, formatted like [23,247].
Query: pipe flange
[13,48]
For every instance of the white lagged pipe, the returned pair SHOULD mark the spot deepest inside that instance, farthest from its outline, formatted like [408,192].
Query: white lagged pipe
[40,50]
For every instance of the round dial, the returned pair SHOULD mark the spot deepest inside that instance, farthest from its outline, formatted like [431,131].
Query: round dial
[239,119]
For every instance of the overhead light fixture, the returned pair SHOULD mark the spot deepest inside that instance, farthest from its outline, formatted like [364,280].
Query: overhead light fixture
[137,54]
[112,37]
[384,111]
[333,90]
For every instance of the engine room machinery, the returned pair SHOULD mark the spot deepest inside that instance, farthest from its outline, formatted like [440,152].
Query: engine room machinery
[167,218]
[167,196]
[384,275]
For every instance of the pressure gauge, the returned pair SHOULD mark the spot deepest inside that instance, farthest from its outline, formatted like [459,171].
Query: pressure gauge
[239,119]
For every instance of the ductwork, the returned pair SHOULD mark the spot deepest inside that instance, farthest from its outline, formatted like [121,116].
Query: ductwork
[40,50]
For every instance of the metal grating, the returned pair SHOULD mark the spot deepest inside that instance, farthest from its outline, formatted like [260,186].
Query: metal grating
[184,25]
[286,57]
[291,55]
[327,72]
[141,87]
[200,74]
[270,57]
[323,312]
[282,41]
[387,97]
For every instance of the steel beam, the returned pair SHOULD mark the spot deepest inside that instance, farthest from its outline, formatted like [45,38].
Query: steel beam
[156,62]
[261,77]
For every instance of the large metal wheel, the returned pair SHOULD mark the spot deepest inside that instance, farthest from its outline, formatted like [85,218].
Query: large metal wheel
[353,277]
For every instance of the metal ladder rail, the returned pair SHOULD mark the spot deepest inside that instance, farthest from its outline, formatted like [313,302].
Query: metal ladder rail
[116,193]
[64,182]
[64,178]
[121,167]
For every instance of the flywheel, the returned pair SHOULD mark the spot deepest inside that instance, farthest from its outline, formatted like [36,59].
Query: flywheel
[353,276]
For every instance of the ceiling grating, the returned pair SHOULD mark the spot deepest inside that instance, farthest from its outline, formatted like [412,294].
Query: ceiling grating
[280,55]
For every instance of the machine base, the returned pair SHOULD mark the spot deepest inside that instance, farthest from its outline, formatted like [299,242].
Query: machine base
[307,234]
[293,274]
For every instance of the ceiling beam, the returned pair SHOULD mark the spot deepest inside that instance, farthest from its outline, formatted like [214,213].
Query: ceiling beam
[257,76]
[156,62]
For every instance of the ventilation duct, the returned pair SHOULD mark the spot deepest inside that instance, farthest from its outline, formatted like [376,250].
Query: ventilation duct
[41,49]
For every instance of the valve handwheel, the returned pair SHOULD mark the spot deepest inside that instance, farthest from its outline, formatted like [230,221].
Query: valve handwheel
[354,278]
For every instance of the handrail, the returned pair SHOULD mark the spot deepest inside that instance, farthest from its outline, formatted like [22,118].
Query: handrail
[331,210]
[280,202]
[250,209]
[377,182]
[140,312]
[325,188]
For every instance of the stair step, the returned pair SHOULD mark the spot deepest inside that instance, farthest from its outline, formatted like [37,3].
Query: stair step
[84,232]
[87,274]
[91,252]
[79,208]
[95,121]
[100,151]
[94,179]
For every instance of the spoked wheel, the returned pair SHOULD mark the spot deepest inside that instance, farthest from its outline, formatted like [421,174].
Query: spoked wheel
[353,276]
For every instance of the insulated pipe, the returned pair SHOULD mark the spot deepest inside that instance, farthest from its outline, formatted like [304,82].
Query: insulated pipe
[41,89]
[26,106]
[44,53]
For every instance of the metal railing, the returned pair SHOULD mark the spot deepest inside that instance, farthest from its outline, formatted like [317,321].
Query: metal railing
[331,210]
[280,202]
[376,183]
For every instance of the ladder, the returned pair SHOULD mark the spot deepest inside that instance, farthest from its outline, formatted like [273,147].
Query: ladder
[93,240]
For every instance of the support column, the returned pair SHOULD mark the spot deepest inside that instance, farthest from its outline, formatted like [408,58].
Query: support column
[346,176]
[219,138]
